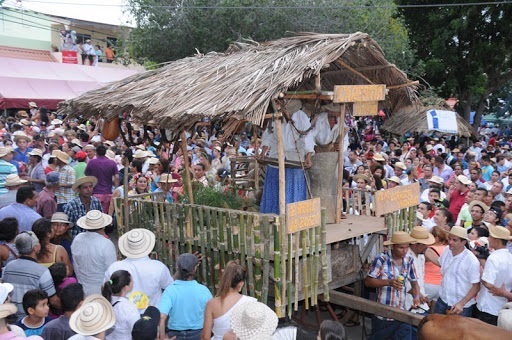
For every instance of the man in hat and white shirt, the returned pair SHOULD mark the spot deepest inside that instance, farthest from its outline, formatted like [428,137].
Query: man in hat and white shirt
[67,179]
[83,203]
[12,183]
[387,273]
[150,277]
[47,201]
[461,276]
[93,252]
[497,276]
[399,169]
[6,167]
[23,208]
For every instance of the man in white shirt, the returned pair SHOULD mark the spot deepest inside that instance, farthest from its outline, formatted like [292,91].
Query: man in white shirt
[92,251]
[497,274]
[435,182]
[150,277]
[461,276]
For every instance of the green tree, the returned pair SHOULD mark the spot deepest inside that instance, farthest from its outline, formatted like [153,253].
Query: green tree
[466,49]
[172,29]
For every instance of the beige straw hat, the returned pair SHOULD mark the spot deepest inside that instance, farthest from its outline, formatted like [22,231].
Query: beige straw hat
[481,204]
[22,135]
[464,180]
[96,315]
[166,178]
[36,152]
[61,155]
[13,180]
[137,243]
[499,232]
[82,180]
[94,220]
[61,217]
[399,237]
[421,235]
[395,179]
[4,151]
[140,154]
[7,309]
[400,165]
[459,232]
[253,320]
[437,180]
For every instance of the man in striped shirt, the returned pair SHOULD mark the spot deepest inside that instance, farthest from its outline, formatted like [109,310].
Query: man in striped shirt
[388,273]
[6,167]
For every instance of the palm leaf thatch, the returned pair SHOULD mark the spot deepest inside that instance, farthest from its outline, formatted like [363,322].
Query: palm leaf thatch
[242,81]
[414,119]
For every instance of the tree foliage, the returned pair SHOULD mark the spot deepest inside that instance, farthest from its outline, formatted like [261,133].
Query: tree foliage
[173,29]
[466,49]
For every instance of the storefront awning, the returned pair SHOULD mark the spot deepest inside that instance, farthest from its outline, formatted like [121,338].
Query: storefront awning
[47,84]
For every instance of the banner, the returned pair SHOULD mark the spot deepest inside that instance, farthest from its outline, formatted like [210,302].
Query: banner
[69,57]
[442,121]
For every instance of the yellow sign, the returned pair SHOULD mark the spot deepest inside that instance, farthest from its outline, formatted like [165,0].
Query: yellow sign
[303,215]
[358,93]
[397,198]
[365,108]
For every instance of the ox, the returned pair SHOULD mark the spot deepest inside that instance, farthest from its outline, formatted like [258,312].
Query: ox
[505,317]
[456,327]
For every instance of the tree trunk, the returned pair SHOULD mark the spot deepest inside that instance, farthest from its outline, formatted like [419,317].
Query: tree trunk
[479,112]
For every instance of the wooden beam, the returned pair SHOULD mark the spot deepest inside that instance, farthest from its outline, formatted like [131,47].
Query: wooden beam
[369,246]
[394,87]
[373,307]
[324,95]
[353,70]
[341,160]
[360,69]
[280,158]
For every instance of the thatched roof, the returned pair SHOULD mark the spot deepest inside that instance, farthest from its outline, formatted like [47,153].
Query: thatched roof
[244,80]
[414,119]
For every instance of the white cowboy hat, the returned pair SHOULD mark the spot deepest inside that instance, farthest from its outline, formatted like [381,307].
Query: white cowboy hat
[61,217]
[253,320]
[110,155]
[153,160]
[89,147]
[137,243]
[140,154]
[7,309]
[480,204]
[82,180]
[5,289]
[332,107]
[464,180]
[32,105]
[36,152]
[167,178]
[94,220]
[56,122]
[96,315]
[13,180]
[61,155]
[76,142]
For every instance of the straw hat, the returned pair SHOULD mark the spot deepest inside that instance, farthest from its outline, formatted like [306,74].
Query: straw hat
[378,157]
[110,155]
[22,113]
[399,237]
[395,179]
[166,178]
[89,147]
[153,160]
[253,320]
[421,235]
[61,217]
[459,232]
[36,152]
[140,154]
[292,105]
[94,220]
[32,105]
[7,309]
[137,243]
[150,153]
[61,155]
[25,122]
[109,143]
[400,165]
[96,315]
[82,180]
[499,232]
[76,142]
[13,180]
[437,180]
[332,107]
[22,135]
[478,203]
[361,176]
[464,180]
[429,147]
[4,151]
[82,127]
[5,289]
[56,122]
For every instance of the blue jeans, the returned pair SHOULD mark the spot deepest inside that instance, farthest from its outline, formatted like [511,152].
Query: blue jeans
[185,335]
[441,308]
[384,329]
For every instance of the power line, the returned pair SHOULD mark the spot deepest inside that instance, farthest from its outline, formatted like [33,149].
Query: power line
[464,4]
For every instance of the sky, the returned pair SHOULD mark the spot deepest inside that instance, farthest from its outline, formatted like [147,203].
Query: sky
[104,11]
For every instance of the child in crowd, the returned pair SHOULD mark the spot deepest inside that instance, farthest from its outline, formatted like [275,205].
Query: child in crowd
[331,330]
[61,279]
[35,304]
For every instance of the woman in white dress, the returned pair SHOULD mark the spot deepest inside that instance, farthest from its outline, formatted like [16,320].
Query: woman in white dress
[217,316]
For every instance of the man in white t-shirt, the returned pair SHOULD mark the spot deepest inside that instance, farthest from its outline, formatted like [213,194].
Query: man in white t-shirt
[497,275]
[461,276]
[150,277]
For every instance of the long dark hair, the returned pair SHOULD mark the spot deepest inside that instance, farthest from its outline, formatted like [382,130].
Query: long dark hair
[42,227]
[118,280]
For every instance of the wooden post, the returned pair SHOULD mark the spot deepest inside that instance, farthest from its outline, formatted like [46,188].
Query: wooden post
[126,216]
[341,161]
[189,183]
[280,158]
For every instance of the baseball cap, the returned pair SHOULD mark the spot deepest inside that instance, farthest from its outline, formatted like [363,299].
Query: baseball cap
[187,262]
[52,177]
[81,155]
[146,328]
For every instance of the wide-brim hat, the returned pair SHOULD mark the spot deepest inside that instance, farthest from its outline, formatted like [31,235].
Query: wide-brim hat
[463,179]
[361,176]
[61,155]
[96,315]
[7,309]
[140,154]
[153,161]
[56,122]
[437,180]
[110,155]
[5,289]
[32,105]
[4,151]
[94,220]
[400,165]
[61,217]
[459,232]
[253,320]
[399,237]
[478,203]
[137,243]
[421,235]
[76,142]
[82,180]
[25,122]
[36,152]
[378,157]
[13,180]
[331,107]
[22,135]
[22,113]
[429,147]
[166,178]
[89,147]
[395,179]
[292,105]
[499,232]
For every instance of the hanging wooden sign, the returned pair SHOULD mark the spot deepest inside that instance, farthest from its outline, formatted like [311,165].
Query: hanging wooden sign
[358,93]
[303,215]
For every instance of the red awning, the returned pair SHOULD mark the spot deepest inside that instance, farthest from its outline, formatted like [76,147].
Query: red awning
[47,84]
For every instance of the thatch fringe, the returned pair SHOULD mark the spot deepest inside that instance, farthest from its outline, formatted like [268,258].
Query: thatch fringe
[244,80]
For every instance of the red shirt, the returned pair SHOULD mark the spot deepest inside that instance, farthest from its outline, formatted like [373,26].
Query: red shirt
[457,200]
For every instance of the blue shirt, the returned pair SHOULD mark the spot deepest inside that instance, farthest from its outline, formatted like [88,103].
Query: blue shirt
[25,215]
[185,302]
[76,209]
[30,330]
[6,169]
[21,156]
